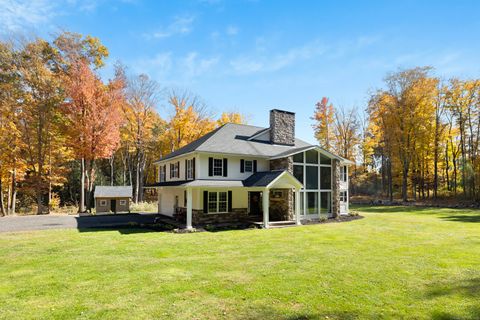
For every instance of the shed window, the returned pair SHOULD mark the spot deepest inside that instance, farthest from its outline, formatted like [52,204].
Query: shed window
[103,203]
[123,202]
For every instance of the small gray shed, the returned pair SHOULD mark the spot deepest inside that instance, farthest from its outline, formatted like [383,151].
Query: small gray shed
[112,198]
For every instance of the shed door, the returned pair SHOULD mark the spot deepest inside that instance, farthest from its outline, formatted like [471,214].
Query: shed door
[113,205]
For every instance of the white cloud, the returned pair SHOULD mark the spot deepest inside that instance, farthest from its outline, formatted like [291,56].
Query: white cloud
[16,15]
[169,68]
[232,30]
[194,66]
[266,63]
[180,25]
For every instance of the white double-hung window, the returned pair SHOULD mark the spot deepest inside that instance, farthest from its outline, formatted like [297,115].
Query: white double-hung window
[343,173]
[217,202]
[217,167]
[162,174]
[189,169]
[248,166]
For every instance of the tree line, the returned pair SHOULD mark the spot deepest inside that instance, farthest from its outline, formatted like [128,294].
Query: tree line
[418,137]
[63,129]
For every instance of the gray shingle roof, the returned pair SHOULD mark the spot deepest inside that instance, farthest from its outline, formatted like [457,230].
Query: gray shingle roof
[233,139]
[262,179]
[113,191]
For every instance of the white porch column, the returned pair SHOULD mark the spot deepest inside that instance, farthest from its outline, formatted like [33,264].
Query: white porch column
[297,207]
[189,208]
[265,204]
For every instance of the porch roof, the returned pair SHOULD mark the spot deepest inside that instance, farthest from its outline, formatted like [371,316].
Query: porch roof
[258,179]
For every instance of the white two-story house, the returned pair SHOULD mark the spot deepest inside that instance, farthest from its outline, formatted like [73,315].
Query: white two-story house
[246,173]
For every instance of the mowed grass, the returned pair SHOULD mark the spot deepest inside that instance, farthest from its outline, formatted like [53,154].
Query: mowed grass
[396,263]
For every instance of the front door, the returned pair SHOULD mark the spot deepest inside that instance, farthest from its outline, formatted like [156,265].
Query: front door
[113,205]
[255,203]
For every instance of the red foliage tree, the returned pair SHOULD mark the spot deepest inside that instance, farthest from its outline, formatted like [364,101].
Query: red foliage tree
[93,110]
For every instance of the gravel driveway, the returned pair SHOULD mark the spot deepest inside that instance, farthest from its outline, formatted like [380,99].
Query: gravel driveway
[27,223]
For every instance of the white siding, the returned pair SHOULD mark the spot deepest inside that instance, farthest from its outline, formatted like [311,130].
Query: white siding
[233,169]
[166,200]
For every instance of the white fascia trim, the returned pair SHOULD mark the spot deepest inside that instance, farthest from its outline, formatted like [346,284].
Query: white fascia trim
[234,154]
[169,159]
[294,180]
[292,153]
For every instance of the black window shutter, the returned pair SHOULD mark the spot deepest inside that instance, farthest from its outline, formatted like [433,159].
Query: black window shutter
[171,170]
[225,167]
[242,165]
[229,201]
[210,166]
[165,172]
[193,169]
[185,169]
[178,169]
[205,201]
[254,165]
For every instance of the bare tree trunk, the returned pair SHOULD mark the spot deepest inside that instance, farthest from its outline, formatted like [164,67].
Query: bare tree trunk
[390,181]
[14,192]
[137,177]
[90,183]
[2,206]
[447,167]
[112,158]
[404,181]
[82,187]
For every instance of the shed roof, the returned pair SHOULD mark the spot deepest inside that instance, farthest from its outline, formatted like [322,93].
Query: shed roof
[113,191]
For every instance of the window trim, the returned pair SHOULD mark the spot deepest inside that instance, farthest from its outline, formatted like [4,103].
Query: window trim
[221,167]
[217,201]
[103,203]
[122,202]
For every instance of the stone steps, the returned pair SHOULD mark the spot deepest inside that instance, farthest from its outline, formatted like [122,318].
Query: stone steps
[281,224]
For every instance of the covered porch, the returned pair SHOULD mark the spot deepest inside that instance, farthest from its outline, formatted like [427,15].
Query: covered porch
[273,188]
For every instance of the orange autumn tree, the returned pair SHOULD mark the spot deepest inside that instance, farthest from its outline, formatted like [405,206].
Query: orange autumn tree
[231,117]
[324,120]
[189,122]
[94,117]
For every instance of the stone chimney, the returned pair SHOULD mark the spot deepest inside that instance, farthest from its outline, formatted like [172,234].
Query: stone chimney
[282,127]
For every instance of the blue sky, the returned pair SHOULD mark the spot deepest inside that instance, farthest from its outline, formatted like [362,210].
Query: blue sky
[252,56]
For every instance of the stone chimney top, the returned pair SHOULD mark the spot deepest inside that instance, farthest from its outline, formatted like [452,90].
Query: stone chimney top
[282,127]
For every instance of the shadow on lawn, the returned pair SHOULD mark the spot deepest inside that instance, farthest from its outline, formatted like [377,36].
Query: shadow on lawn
[463,218]
[469,288]
[272,313]
[392,209]
[448,214]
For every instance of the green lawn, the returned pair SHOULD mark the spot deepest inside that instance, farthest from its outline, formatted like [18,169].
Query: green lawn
[395,263]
